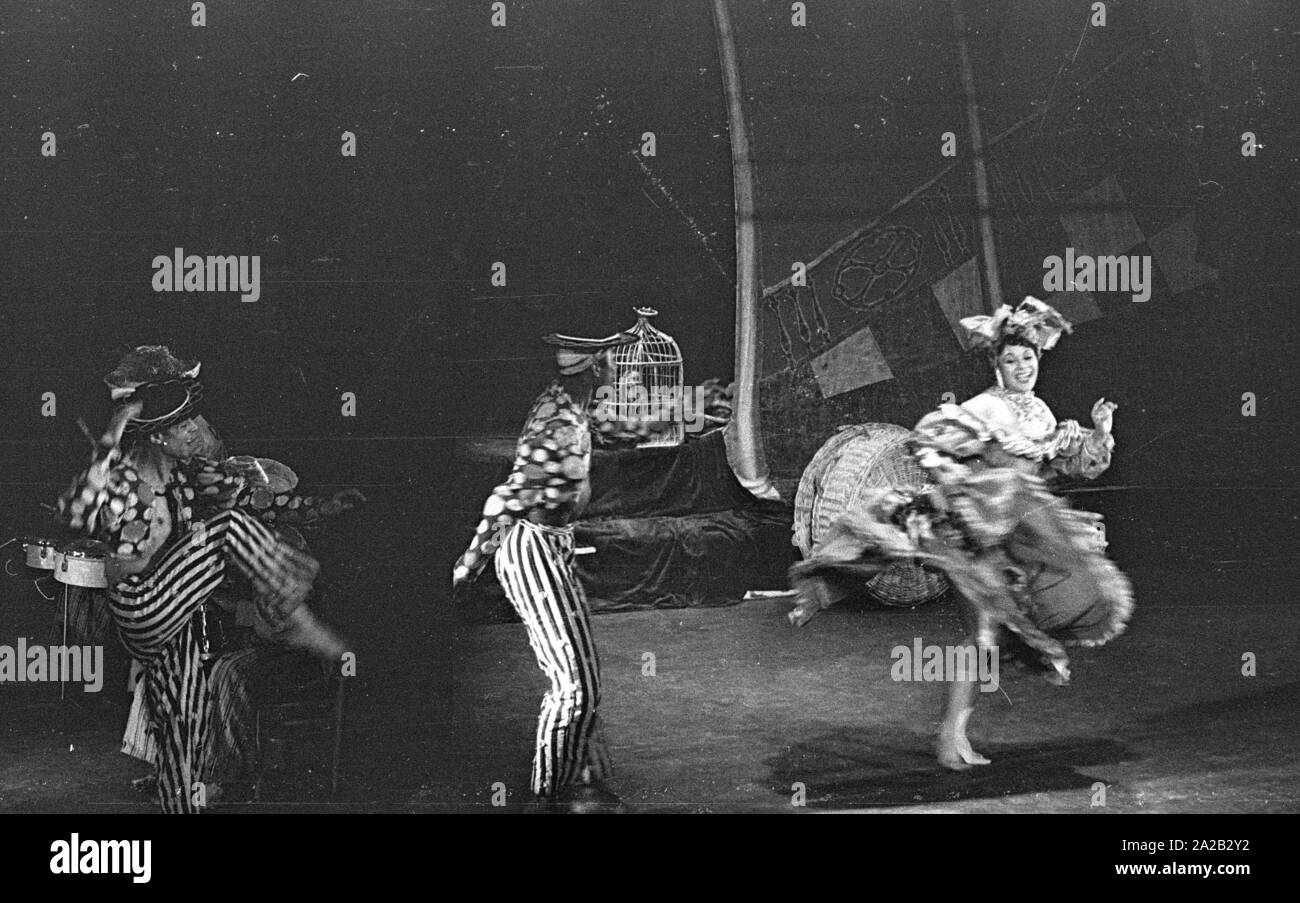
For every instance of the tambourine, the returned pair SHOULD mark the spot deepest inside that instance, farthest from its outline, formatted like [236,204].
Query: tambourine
[82,563]
[41,553]
[262,472]
[266,477]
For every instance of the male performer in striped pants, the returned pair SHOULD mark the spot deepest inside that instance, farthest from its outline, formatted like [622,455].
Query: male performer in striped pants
[173,523]
[527,527]
[232,738]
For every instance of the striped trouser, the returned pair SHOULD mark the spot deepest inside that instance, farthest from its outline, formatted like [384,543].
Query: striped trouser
[155,619]
[535,567]
[231,736]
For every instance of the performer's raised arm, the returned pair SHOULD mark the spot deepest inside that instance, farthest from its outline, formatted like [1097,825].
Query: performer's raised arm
[264,488]
[1086,452]
[81,504]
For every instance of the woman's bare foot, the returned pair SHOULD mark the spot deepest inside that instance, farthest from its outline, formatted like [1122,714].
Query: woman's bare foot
[954,747]
[955,752]
[802,613]
[1059,676]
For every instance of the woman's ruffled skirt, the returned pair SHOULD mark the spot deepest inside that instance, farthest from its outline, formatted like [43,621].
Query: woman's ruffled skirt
[1017,552]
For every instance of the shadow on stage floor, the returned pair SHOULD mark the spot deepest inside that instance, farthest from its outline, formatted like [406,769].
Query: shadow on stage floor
[853,769]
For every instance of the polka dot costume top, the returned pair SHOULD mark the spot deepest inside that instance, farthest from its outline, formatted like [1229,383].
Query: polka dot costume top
[202,487]
[122,513]
[549,482]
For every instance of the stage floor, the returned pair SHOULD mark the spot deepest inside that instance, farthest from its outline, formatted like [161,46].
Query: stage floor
[743,707]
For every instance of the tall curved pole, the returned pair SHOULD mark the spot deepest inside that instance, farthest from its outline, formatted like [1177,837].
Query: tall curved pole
[748,462]
[989,254]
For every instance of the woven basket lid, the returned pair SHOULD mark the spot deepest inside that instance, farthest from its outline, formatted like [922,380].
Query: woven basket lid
[857,459]
[810,485]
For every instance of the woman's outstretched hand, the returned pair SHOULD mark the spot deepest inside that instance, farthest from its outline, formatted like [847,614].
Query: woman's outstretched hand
[1101,414]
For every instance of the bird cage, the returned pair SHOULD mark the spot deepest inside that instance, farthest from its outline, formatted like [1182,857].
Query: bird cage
[647,380]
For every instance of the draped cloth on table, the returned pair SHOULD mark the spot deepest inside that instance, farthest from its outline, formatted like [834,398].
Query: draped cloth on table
[673,527]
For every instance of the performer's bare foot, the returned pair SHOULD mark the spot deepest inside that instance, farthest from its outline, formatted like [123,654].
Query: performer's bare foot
[814,595]
[802,613]
[955,752]
[954,747]
[1059,676]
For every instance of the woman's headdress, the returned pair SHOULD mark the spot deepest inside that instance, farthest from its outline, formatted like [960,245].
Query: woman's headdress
[167,386]
[1031,320]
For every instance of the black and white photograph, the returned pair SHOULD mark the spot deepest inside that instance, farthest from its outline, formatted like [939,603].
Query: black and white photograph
[450,407]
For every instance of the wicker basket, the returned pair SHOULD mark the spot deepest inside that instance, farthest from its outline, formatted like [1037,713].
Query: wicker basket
[854,460]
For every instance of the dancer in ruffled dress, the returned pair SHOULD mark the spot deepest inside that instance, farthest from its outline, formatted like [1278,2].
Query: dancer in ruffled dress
[1025,565]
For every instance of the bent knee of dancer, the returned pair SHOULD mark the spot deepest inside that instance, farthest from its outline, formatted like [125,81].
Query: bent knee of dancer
[278,605]
[282,576]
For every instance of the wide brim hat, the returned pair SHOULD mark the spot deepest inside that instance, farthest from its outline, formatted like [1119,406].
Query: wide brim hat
[574,354]
[167,387]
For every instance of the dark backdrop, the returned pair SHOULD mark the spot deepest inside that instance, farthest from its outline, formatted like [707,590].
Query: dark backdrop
[479,144]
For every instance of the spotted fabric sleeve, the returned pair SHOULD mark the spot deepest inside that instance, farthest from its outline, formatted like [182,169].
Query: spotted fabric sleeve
[109,501]
[291,509]
[202,488]
[552,463]
[206,487]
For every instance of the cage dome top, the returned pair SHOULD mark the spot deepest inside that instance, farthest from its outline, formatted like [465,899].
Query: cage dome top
[644,329]
[653,346]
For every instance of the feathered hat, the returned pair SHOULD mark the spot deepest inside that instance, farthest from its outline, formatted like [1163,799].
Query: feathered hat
[1031,320]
